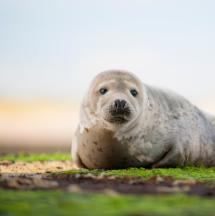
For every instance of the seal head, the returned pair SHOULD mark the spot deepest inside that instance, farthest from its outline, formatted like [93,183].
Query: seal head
[115,97]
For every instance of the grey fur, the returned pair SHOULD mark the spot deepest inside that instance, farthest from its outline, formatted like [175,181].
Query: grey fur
[166,130]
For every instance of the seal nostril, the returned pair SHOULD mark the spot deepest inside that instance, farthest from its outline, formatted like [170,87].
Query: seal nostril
[123,103]
[119,104]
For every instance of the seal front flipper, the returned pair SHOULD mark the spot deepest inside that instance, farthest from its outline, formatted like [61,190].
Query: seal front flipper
[171,158]
[78,163]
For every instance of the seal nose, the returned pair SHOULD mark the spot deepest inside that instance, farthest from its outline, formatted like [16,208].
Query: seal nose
[119,104]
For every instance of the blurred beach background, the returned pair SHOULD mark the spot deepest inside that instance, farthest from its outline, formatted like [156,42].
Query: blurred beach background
[51,50]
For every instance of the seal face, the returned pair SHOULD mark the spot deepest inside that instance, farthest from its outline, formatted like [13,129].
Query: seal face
[114,97]
[125,123]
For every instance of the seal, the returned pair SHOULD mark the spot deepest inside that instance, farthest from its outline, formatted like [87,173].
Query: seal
[126,123]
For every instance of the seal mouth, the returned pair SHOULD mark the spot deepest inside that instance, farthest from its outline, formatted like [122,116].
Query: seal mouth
[118,119]
[118,112]
[120,115]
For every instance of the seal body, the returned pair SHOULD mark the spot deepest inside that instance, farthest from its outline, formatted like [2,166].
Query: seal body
[125,123]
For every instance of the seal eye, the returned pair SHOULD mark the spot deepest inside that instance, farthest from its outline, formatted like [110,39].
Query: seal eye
[134,92]
[103,91]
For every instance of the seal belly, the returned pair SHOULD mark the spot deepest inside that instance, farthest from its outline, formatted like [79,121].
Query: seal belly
[97,148]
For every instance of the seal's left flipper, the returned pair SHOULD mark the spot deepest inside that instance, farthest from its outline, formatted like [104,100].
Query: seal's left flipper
[78,164]
[172,158]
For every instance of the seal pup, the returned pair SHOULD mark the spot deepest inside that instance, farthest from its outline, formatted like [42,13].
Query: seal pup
[125,123]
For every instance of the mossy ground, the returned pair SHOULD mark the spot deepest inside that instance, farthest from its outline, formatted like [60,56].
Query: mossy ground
[58,202]
[197,173]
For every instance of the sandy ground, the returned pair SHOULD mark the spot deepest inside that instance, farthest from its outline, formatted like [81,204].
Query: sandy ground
[37,167]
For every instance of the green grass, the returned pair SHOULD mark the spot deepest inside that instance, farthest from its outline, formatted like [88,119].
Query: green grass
[35,157]
[198,173]
[15,203]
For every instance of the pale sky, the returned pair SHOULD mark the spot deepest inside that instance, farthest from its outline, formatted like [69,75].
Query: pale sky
[53,48]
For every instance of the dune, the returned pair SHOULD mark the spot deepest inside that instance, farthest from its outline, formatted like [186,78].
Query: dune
[37,126]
